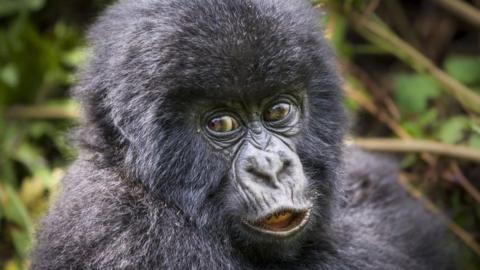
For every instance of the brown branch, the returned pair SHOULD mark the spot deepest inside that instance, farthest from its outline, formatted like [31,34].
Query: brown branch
[396,145]
[43,112]
[372,6]
[401,22]
[462,9]
[460,178]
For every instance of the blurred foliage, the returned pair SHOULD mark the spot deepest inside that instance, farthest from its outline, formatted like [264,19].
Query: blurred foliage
[42,45]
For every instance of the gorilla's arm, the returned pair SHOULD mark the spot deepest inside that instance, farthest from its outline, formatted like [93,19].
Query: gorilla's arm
[379,225]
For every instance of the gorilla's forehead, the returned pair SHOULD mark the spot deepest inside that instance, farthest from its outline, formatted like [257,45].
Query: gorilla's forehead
[247,47]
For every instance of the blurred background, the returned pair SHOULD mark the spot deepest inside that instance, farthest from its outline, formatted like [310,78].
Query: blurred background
[412,82]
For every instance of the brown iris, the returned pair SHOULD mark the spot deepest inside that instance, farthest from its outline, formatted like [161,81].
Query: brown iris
[276,112]
[223,123]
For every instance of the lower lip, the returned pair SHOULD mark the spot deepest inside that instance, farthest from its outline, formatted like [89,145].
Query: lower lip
[286,233]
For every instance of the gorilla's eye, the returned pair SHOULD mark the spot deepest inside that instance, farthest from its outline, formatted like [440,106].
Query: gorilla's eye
[222,124]
[277,112]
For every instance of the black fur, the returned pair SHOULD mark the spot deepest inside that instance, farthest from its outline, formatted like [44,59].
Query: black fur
[147,192]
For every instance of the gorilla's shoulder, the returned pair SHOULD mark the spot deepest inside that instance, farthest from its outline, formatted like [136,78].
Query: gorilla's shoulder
[376,211]
[101,220]
[369,177]
[94,213]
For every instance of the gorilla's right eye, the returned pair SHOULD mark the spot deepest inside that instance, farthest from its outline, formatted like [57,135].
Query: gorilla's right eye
[277,112]
[222,124]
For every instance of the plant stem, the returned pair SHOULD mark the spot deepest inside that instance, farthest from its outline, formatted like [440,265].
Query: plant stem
[396,145]
[43,112]
[462,9]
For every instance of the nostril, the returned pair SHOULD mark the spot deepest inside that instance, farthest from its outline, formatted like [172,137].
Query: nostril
[251,160]
[285,167]
[269,161]
[259,175]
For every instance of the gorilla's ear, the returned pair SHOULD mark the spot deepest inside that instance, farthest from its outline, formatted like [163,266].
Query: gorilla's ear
[125,129]
[135,118]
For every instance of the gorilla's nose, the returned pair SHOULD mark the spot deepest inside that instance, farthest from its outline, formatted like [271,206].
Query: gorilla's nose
[265,166]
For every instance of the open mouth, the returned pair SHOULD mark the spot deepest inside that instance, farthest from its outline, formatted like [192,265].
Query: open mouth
[283,222]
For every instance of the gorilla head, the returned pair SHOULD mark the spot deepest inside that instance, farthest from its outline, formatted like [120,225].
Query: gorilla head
[228,110]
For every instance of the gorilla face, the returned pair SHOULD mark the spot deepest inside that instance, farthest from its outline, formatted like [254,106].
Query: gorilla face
[228,110]
[266,184]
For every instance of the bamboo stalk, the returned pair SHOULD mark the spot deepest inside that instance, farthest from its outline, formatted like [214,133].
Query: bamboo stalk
[396,145]
[59,112]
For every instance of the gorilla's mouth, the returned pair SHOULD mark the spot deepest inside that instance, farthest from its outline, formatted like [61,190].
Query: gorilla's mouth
[283,222]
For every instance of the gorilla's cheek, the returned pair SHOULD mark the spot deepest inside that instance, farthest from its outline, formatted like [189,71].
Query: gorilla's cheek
[268,188]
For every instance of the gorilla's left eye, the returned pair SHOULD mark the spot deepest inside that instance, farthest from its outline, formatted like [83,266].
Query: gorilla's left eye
[277,112]
[222,124]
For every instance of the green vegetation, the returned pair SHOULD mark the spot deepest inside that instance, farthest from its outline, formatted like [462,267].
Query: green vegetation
[38,58]
[411,74]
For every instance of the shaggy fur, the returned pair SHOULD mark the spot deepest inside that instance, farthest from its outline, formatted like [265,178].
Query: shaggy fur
[147,192]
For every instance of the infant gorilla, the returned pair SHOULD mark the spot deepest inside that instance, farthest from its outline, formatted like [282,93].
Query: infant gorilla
[212,139]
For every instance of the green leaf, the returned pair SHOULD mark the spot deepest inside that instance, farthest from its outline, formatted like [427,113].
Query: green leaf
[474,141]
[413,91]
[21,240]
[9,75]
[14,209]
[33,159]
[466,69]
[412,128]
[338,34]
[30,156]
[76,56]
[12,264]
[475,128]
[8,7]
[452,131]
[35,4]
[7,171]
[428,118]
[408,161]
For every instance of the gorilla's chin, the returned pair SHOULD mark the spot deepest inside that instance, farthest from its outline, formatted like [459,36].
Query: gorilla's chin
[264,246]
